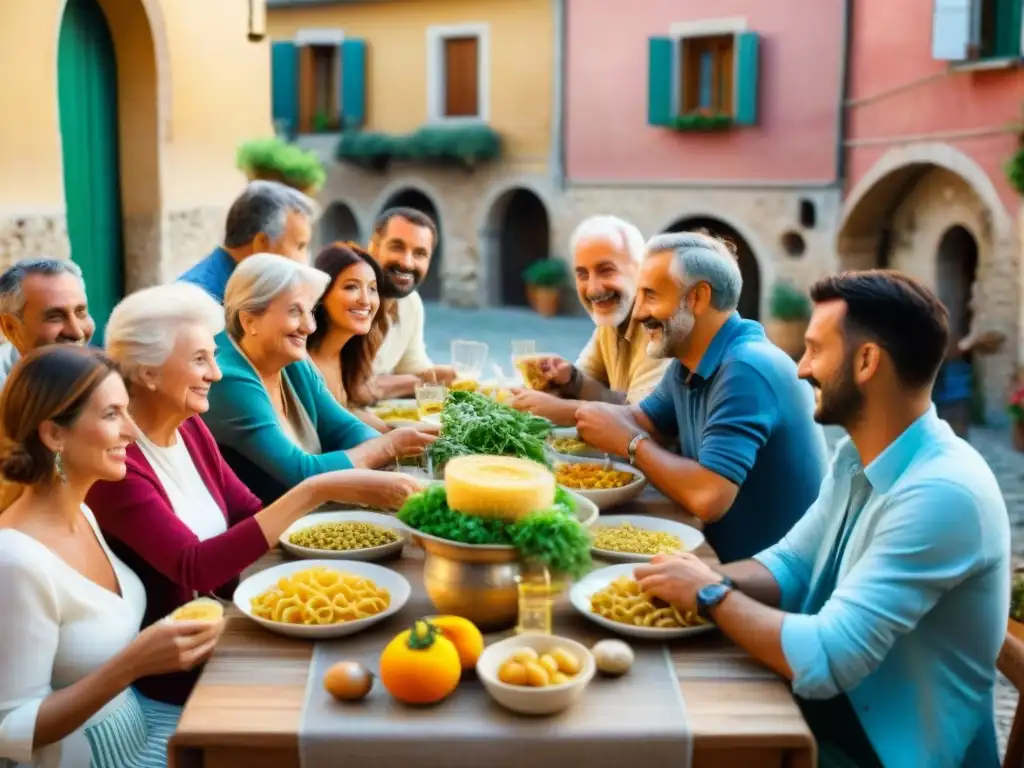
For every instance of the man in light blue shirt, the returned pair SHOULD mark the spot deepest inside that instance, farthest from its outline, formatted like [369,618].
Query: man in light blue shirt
[886,604]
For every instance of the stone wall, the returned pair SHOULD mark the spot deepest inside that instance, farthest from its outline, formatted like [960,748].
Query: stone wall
[24,237]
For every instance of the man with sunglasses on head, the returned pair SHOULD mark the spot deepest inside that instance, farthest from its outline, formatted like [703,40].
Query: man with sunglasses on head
[750,459]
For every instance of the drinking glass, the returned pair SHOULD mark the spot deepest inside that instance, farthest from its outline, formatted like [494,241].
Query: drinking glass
[430,399]
[469,359]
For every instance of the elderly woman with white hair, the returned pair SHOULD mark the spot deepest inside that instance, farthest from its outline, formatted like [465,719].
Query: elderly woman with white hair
[181,518]
[272,416]
[614,366]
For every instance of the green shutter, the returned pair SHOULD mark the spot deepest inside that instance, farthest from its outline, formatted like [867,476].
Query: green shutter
[659,81]
[746,78]
[353,84]
[284,72]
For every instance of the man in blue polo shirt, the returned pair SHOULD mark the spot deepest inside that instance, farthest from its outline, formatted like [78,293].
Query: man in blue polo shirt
[751,459]
[267,217]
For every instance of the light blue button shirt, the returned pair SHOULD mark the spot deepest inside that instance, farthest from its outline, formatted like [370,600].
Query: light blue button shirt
[913,628]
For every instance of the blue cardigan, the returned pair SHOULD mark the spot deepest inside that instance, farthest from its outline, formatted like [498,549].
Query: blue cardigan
[244,423]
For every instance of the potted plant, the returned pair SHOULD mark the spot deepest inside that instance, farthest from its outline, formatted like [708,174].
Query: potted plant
[1016,622]
[789,312]
[544,280]
[1016,410]
[275,159]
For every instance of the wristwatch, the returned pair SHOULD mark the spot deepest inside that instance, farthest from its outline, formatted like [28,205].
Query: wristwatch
[711,595]
[633,445]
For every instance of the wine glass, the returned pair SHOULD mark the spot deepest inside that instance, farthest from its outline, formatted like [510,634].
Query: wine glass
[430,399]
[469,359]
[522,348]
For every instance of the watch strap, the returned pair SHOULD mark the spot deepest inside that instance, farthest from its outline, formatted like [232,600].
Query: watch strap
[711,595]
[633,445]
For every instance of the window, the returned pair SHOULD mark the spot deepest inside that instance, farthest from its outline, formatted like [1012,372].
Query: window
[458,72]
[320,89]
[964,30]
[318,86]
[705,74]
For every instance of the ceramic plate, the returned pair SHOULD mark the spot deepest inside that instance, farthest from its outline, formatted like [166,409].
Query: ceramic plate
[395,583]
[595,581]
[691,537]
[606,498]
[346,516]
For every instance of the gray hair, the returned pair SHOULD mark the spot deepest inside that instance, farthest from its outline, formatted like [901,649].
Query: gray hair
[264,207]
[702,258]
[261,278]
[12,299]
[618,233]
[144,326]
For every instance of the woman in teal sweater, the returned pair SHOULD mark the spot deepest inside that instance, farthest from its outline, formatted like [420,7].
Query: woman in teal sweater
[273,418]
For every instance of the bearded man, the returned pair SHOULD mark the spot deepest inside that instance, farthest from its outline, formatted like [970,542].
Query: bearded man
[751,458]
[614,366]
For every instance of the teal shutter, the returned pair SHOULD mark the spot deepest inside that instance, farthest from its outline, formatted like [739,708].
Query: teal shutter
[353,84]
[284,75]
[659,81]
[747,77]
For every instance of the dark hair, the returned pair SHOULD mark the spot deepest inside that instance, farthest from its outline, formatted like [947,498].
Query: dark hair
[411,215]
[898,313]
[52,383]
[358,353]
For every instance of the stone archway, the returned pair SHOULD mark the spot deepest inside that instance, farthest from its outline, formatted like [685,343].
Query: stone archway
[750,297]
[431,287]
[520,234]
[339,222]
[932,221]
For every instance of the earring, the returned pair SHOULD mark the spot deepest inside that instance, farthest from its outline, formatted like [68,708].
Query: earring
[58,463]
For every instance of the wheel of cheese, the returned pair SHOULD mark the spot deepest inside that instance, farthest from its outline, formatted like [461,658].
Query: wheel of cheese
[498,486]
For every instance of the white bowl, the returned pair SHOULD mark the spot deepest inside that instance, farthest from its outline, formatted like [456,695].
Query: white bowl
[527,700]
[606,498]
[395,583]
[572,434]
[346,516]
[595,581]
[691,537]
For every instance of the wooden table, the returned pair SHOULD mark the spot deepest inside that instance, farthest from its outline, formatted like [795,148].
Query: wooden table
[246,709]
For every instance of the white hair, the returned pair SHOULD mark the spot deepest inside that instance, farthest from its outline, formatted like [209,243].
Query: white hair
[698,258]
[144,326]
[618,233]
[261,278]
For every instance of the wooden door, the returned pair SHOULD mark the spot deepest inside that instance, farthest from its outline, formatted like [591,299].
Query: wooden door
[461,70]
[87,94]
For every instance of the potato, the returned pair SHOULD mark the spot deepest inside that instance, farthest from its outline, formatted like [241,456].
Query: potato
[512,673]
[567,663]
[558,678]
[524,655]
[536,675]
[548,662]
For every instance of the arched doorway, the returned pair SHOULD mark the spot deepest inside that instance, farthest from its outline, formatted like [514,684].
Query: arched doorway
[955,271]
[521,234]
[88,100]
[430,288]
[750,297]
[339,223]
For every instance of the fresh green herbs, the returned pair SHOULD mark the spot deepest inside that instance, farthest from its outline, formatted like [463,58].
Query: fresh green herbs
[552,536]
[473,424]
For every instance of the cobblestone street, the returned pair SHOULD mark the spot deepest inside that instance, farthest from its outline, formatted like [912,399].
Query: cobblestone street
[566,336]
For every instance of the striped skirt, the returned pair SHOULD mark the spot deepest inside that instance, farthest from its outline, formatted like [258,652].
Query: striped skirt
[135,735]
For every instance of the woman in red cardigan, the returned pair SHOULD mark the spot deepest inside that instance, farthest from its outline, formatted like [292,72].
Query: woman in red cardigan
[180,518]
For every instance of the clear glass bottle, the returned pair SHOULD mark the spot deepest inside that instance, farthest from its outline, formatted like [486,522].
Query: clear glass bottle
[536,599]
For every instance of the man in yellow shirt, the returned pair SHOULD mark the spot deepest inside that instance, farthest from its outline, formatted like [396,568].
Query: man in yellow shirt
[614,366]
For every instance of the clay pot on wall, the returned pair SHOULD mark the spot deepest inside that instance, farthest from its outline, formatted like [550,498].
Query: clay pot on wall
[544,280]
[789,313]
[787,335]
[544,300]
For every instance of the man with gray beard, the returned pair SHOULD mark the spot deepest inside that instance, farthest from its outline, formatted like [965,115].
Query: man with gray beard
[613,368]
[751,458]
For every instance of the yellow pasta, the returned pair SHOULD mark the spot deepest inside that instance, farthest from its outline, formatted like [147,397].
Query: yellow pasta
[622,601]
[320,596]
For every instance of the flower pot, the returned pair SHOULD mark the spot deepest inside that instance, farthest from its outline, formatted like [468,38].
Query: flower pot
[787,335]
[543,299]
[266,174]
[1017,433]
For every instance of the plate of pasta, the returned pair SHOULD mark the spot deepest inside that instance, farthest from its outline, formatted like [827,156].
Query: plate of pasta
[638,538]
[321,599]
[612,598]
[345,535]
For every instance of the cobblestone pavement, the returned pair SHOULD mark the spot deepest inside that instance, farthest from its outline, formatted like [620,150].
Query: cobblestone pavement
[565,336]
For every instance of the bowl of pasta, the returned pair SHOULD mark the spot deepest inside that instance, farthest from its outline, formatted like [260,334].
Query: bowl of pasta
[566,442]
[612,598]
[345,535]
[321,599]
[638,538]
[606,483]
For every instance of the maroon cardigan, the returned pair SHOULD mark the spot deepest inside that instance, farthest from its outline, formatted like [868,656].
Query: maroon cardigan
[141,527]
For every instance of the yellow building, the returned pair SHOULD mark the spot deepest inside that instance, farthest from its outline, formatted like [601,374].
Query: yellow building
[120,128]
[442,105]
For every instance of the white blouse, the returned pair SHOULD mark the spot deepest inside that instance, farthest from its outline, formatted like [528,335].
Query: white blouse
[57,627]
[190,498]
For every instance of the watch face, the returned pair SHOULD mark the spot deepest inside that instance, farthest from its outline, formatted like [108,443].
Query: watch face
[709,596]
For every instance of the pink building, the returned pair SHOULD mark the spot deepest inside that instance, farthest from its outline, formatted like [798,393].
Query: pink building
[933,116]
[724,114]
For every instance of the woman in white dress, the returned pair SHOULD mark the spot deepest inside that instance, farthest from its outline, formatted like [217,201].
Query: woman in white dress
[70,646]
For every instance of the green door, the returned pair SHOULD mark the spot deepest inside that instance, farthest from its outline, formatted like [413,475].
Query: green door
[87,88]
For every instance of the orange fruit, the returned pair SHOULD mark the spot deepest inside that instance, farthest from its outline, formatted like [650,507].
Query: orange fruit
[464,634]
[421,665]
